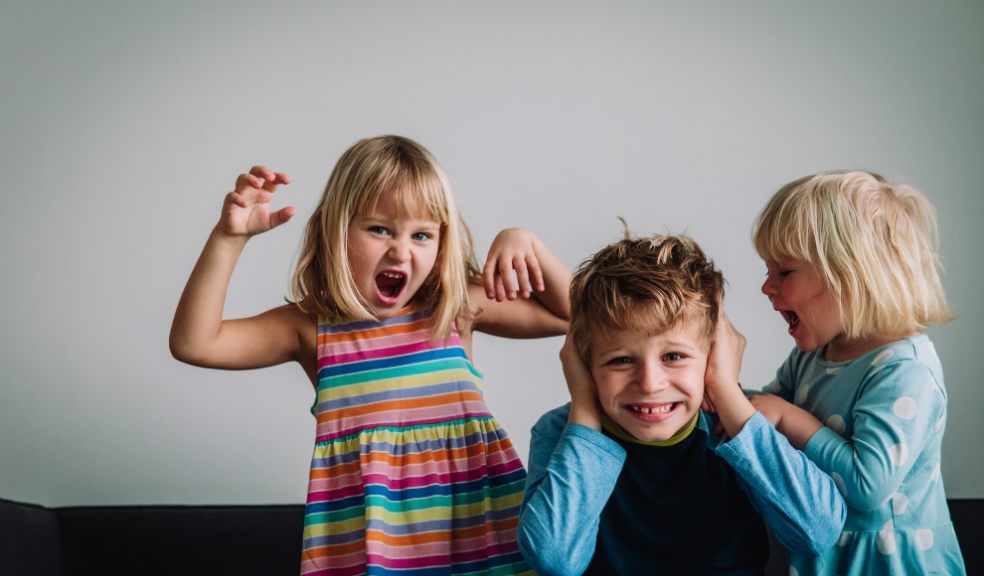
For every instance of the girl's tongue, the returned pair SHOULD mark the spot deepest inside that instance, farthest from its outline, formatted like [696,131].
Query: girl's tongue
[792,319]
[390,284]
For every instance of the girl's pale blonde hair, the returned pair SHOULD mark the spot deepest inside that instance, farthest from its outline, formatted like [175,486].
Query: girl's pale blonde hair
[403,172]
[648,285]
[875,243]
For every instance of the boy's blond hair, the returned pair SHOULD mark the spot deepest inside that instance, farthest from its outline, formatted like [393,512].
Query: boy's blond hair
[875,244]
[648,284]
[396,169]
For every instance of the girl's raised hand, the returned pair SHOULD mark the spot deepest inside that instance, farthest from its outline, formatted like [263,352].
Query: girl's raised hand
[512,268]
[246,210]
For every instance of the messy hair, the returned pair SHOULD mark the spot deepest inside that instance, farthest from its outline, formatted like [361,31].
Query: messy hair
[398,170]
[648,284]
[875,244]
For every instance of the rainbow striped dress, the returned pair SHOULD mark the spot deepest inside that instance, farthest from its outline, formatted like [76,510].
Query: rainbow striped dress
[411,474]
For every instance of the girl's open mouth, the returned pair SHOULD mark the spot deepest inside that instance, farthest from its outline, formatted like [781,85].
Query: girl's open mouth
[791,318]
[389,284]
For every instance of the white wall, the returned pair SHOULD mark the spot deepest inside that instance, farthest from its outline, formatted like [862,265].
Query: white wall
[122,124]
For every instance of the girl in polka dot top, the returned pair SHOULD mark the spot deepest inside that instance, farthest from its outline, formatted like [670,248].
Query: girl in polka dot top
[853,269]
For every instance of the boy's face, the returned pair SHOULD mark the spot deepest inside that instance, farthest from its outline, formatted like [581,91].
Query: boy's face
[650,385]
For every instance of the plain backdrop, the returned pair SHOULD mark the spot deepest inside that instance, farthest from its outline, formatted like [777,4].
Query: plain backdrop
[122,124]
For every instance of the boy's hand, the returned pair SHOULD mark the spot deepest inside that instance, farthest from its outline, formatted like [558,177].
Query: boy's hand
[581,385]
[512,251]
[723,361]
[246,210]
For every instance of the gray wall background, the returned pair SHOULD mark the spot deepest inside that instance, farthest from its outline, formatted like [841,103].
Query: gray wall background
[124,123]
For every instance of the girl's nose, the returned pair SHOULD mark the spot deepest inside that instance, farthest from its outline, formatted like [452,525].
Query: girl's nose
[769,287]
[399,250]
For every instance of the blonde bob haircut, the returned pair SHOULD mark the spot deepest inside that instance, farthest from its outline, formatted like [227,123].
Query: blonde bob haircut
[392,169]
[648,284]
[875,244]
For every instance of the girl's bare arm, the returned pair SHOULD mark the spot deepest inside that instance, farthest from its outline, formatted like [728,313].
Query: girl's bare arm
[199,334]
[525,290]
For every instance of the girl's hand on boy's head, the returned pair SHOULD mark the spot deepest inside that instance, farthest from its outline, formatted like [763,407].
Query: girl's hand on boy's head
[581,385]
[512,268]
[246,210]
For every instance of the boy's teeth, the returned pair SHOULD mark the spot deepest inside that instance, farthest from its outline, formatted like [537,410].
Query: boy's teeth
[661,409]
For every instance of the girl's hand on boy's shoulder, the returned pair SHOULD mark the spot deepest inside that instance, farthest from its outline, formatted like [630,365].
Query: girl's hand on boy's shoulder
[246,210]
[770,405]
[512,269]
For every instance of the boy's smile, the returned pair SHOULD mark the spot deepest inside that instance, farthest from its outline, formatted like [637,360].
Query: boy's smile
[391,256]
[650,385]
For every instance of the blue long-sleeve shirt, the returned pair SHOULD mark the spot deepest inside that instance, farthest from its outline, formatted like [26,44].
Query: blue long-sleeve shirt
[587,506]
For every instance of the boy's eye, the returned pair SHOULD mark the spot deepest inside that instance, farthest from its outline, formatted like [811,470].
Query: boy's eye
[672,357]
[620,360]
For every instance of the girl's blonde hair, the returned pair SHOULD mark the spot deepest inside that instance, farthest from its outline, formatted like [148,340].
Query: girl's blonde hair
[398,170]
[875,244]
[647,285]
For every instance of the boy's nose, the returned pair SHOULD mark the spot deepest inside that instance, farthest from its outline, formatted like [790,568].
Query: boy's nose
[651,378]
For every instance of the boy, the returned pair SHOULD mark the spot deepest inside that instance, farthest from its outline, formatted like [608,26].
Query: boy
[629,478]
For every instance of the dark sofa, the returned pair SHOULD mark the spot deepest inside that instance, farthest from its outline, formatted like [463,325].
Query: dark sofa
[216,540]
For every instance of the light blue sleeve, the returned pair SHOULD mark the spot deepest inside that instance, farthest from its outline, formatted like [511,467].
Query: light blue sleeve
[572,472]
[898,409]
[795,498]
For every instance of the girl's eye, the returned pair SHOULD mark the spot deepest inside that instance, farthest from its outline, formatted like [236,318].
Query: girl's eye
[421,236]
[378,230]
[672,357]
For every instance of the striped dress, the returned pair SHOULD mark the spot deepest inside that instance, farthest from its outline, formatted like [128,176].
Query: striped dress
[411,474]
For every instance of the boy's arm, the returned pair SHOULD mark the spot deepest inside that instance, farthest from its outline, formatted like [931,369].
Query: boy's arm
[798,501]
[572,472]
[525,289]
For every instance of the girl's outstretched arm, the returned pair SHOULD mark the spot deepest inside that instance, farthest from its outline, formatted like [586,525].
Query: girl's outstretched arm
[525,290]
[199,335]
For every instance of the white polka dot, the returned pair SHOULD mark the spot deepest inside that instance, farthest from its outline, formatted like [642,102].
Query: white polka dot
[905,408]
[839,482]
[935,476]
[845,537]
[836,423]
[882,357]
[833,370]
[793,571]
[773,387]
[924,539]
[898,454]
[886,539]
[802,393]
[900,503]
